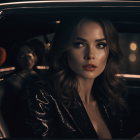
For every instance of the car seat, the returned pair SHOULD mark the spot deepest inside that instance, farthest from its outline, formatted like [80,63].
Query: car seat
[9,92]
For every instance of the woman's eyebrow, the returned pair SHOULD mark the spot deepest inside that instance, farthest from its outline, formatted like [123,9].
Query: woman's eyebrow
[98,40]
[102,39]
[27,52]
[79,38]
[30,51]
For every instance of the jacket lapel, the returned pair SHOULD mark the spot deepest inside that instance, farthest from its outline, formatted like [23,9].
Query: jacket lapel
[80,118]
[113,122]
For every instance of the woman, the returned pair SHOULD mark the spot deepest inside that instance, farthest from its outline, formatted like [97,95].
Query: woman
[80,97]
[23,56]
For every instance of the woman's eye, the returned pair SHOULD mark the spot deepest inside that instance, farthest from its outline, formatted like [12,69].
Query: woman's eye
[78,45]
[21,56]
[30,54]
[101,45]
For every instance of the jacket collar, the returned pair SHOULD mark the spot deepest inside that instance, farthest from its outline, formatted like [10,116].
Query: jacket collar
[81,119]
[79,116]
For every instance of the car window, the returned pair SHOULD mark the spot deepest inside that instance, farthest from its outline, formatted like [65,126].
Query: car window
[130,44]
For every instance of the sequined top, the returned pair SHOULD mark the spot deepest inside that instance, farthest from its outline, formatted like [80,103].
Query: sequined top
[45,116]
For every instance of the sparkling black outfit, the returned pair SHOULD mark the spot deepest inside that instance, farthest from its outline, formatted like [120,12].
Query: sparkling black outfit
[47,117]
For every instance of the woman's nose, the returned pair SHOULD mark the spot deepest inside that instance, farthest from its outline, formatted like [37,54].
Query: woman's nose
[90,53]
[89,56]
[27,57]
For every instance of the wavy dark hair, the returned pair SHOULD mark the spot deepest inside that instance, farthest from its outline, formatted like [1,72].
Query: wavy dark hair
[39,49]
[107,86]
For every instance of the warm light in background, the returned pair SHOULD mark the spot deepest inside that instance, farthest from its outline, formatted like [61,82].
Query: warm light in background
[13,68]
[57,21]
[42,67]
[132,57]
[2,55]
[133,46]
[7,69]
[128,75]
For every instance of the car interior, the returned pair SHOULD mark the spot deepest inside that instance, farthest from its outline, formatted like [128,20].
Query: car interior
[39,19]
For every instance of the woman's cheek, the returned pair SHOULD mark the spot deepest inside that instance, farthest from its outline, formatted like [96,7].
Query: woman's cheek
[74,57]
[102,56]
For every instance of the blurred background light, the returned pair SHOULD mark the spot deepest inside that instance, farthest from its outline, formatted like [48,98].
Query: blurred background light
[132,57]
[57,21]
[7,69]
[42,67]
[128,75]
[133,46]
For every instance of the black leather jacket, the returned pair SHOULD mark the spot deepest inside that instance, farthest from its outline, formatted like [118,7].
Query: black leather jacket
[47,117]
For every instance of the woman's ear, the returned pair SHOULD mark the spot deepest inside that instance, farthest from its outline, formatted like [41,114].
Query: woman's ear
[35,58]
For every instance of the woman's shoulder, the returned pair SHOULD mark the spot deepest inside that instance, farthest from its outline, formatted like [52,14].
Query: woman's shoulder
[37,88]
[37,95]
[36,105]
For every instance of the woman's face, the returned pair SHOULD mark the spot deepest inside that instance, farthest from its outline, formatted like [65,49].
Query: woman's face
[25,58]
[88,53]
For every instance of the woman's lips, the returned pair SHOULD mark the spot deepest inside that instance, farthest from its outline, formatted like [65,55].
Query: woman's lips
[89,67]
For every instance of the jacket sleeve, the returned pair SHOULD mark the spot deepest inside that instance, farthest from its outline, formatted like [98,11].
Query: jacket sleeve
[37,116]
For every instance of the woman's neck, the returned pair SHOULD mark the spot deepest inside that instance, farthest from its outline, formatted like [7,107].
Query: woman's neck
[84,89]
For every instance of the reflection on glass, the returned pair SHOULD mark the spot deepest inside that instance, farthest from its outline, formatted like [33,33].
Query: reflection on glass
[132,57]
[57,21]
[42,67]
[128,75]
[7,69]
[133,46]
